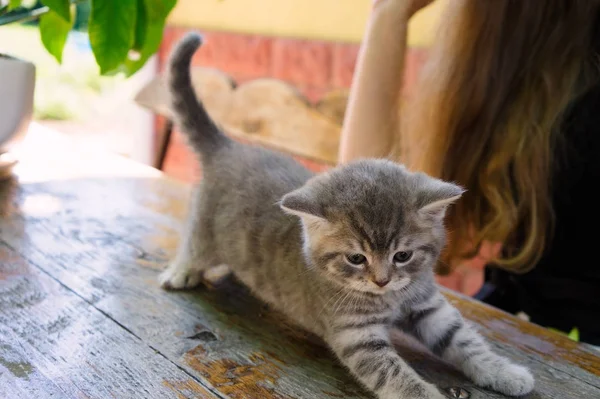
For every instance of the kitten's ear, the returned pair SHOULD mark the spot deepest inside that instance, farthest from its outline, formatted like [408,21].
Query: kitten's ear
[436,197]
[302,203]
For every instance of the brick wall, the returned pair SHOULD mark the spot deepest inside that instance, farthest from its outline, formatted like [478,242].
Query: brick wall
[314,67]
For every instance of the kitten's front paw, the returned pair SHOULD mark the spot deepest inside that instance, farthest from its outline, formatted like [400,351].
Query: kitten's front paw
[179,277]
[513,380]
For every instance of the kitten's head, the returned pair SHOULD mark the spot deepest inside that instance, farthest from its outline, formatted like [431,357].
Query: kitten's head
[372,225]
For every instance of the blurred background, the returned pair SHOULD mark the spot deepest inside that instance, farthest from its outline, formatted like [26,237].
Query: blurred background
[310,45]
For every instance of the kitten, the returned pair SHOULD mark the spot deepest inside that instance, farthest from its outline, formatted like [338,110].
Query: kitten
[347,254]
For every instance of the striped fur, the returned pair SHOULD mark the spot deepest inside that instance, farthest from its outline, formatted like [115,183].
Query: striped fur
[439,326]
[296,256]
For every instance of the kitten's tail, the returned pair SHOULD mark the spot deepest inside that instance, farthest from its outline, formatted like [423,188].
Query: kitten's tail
[204,135]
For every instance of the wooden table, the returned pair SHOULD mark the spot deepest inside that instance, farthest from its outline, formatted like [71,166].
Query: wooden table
[83,236]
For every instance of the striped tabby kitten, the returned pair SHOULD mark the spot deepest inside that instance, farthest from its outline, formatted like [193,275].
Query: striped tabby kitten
[348,254]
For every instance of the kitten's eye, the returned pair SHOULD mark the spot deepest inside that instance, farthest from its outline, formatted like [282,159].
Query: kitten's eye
[356,259]
[403,256]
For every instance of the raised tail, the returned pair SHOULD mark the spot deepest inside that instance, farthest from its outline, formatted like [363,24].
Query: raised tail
[203,134]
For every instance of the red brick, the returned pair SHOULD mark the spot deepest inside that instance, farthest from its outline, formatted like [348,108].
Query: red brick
[165,45]
[159,126]
[180,161]
[302,62]
[171,35]
[242,56]
[344,63]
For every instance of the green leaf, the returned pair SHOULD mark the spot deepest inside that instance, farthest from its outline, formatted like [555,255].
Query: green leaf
[112,31]
[60,7]
[153,39]
[574,334]
[152,23]
[12,4]
[158,10]
[54,31]
[141,23]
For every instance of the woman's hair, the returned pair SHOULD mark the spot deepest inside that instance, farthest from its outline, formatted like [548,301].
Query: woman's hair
[487,114]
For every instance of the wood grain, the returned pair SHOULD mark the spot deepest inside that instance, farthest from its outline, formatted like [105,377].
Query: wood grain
[55,345]
[529,338]
[333,105]
[97,231]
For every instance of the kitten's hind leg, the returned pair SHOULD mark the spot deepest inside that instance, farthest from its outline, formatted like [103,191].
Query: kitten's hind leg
[188,268]
[195,254]
[216,274]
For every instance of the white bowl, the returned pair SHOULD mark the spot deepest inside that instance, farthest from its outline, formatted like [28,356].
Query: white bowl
[17,84]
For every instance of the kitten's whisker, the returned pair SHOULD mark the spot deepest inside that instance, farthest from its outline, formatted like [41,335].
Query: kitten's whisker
[308,269]
[341,302]
[338,295]
[339,292]
[354,302]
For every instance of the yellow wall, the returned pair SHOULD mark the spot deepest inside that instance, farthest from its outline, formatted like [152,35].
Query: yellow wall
[342,20]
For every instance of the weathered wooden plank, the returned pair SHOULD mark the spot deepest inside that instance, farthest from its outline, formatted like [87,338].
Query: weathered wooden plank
[218,335]
[273,113]
[531,340]
[333,105]
[19,379]
[106,238]
[209,334]
[55,345]
[265,111]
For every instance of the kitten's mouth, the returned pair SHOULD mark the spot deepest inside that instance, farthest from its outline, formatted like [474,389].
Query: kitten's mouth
[390,287]
[374,289]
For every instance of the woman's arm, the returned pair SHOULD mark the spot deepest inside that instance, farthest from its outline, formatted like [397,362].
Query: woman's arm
[371,122]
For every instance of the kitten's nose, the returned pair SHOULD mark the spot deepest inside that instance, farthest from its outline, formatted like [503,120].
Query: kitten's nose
[382,282]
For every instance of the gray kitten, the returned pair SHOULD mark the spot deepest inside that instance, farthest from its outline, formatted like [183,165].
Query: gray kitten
[347,254]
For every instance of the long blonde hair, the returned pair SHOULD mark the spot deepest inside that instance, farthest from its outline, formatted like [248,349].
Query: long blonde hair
[487,113]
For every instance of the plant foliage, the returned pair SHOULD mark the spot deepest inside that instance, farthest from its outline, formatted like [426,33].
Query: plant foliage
[124,34]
